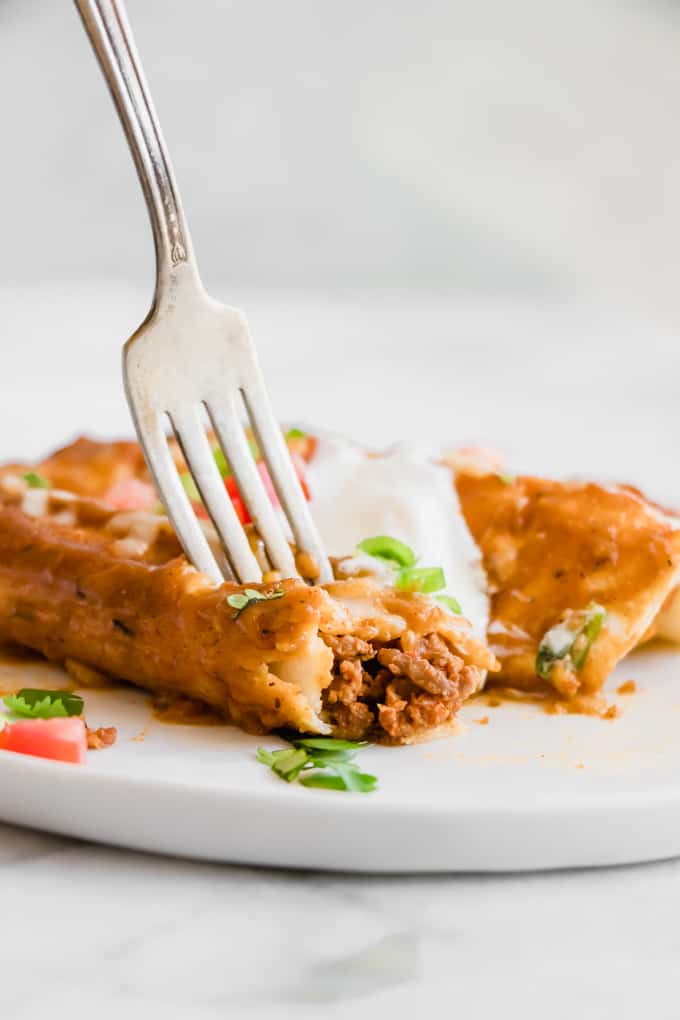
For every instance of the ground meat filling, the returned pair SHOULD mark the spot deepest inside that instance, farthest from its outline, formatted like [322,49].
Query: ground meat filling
[395,692]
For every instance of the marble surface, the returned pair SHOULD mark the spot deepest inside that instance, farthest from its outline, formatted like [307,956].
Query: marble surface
[90,931]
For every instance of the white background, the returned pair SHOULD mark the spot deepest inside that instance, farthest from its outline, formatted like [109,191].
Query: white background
[524,146]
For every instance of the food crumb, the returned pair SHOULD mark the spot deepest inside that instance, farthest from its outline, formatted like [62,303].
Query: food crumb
[482,721]
[580,765]
[627,687]
[493,702]
[103,736]
[613,712]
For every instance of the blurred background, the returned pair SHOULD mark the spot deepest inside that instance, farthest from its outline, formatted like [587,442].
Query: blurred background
[464,210]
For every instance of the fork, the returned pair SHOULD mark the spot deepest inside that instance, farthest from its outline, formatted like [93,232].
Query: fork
[193,355]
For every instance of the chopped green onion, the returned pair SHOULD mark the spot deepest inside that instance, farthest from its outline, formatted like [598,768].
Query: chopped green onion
[584,640]
[425,580]
[221,461]
[384,547]
[223,465]
[36,481]
[30,703]
[249,596]
[296,434]
[570,640]
[189,486]
[506,479]
[453,605]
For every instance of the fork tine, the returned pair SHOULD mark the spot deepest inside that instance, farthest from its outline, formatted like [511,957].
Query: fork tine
[201,463]
[155,446]
[277,457]
[230,432]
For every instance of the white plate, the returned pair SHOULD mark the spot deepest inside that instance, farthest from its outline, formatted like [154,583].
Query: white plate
[526,791]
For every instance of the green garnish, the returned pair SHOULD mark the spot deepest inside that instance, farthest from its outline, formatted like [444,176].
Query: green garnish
[384,547]
[453,605]
[570,640]
[584,640]
[190,487]
[249,596]
[221,461]
[286,763]
[38,704]
[36,481]
[328,744]
[409,577]
[506,479]
[223,464]
[296,434]
[425,580]
[341,777]
[327,764]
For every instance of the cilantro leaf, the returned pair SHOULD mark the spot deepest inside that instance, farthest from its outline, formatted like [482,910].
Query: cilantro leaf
[325,763]
[249,596]
[30,703]
[354,779]
[328,743]
[323,781]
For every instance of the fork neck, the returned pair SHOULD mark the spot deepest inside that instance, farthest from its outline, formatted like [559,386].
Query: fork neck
[107,26]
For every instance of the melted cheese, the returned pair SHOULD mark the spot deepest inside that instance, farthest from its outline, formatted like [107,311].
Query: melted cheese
[402,493]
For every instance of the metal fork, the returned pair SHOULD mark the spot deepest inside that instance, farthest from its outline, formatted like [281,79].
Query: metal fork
[193,355]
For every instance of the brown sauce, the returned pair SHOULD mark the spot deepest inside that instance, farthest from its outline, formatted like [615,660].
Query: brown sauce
[179,710]
[550,702]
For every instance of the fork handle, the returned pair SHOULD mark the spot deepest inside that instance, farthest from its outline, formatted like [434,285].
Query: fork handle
[109,31]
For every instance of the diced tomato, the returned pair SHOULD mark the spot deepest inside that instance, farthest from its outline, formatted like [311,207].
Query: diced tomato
[241,510]
[131,494]
[299,464]
[58,739]
[236,498]
[201,511]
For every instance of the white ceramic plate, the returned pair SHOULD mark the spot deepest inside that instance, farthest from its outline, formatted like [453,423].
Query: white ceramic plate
[526,791]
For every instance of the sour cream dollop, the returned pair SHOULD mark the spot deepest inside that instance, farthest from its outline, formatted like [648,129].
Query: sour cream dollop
[405,494]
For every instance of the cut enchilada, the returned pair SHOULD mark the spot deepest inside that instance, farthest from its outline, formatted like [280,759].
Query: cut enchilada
[82,582]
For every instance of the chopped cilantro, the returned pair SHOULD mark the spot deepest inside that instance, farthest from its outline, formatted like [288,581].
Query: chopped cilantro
[325,763]
[249,596]
[29,703]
